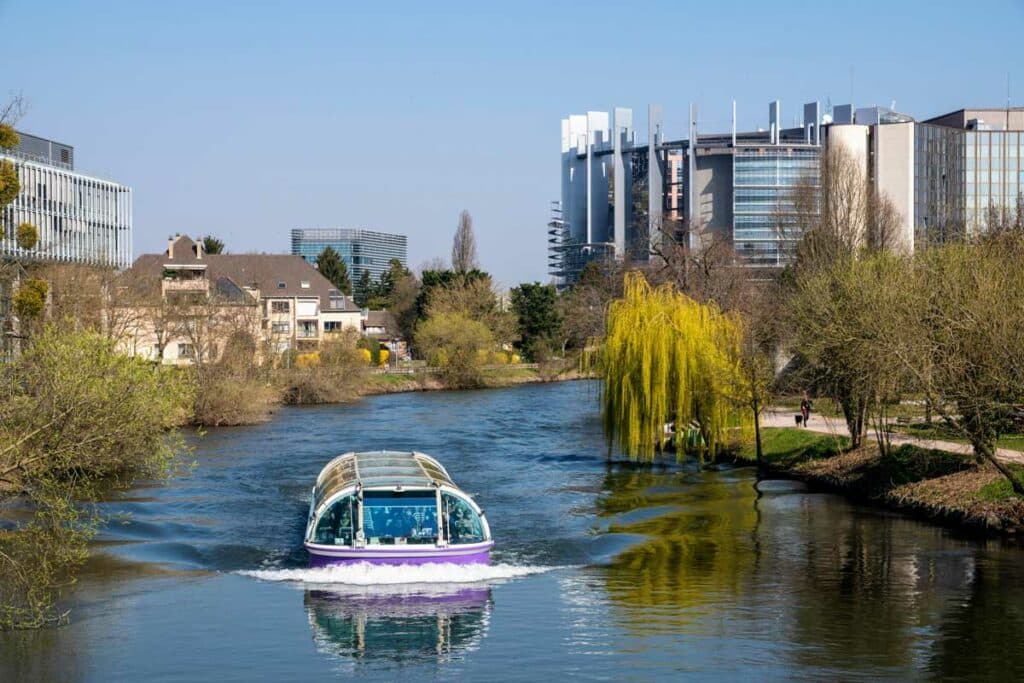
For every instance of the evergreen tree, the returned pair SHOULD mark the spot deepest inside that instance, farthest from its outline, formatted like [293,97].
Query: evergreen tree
[212,245]
[332,267]
[364,289]
[539,320]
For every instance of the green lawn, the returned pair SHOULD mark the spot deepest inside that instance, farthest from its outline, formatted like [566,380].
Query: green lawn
[789,445]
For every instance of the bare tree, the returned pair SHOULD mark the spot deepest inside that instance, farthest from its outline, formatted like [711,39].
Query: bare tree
[838,214]
[12,112]
[464,257]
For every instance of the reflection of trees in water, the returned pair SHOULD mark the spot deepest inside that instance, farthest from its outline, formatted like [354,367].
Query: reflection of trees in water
[403,627]
[980,636]
[698,552]
[834,588]
[865,590]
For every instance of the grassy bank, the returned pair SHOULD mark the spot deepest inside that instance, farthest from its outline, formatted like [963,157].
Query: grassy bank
[392,383]
[947,488]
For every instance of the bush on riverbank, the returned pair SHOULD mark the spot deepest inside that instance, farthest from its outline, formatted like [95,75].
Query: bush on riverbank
[338,375]
[947,487]
[75,416]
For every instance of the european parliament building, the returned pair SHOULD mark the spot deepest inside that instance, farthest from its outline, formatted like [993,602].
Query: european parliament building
[360,249]
[80,218]
[620,198]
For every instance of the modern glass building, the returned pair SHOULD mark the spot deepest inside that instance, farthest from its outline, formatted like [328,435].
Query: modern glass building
[764,179]
[80,218]
[968,164]
[622,198]
[360,249]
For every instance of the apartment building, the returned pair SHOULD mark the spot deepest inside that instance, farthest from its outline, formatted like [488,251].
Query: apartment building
[278,299]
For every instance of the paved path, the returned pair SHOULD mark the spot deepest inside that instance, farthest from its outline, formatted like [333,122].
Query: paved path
[780,417]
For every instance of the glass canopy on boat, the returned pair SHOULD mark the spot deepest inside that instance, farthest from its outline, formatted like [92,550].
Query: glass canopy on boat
[379,469]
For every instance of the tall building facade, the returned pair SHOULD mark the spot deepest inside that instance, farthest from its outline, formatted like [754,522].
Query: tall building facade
[622,198]
[80,218]
[360,249]
[946,176]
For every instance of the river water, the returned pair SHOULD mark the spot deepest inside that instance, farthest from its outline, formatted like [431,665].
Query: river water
[600,572]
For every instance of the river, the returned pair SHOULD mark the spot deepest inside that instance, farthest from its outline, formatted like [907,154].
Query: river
[600,572]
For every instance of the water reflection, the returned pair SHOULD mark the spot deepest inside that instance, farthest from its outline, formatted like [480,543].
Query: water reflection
[698,551]
[836,592]
[399,628]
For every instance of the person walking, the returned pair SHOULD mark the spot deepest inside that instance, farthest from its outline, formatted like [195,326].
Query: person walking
[805,409]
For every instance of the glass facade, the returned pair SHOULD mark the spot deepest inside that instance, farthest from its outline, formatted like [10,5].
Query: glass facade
[763,182]
[359,249]
[960,175]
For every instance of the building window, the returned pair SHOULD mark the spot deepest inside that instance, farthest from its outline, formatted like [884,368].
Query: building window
[281,328]
[304,284]
[186,351]
[333,326]
[281,285]
[280,307]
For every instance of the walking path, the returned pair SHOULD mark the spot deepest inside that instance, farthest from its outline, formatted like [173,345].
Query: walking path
[780,417]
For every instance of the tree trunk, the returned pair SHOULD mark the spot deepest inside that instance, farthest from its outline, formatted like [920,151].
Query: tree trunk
[757,435]
[989,453]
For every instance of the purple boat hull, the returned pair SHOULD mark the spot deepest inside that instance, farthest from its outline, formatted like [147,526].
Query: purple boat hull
[477,553]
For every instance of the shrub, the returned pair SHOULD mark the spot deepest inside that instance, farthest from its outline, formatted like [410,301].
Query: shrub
[337,378]
[225,398]
[27,236]
[307,360]
[8,136]
[457,345]
[75,416]
[30,299]
[10,186]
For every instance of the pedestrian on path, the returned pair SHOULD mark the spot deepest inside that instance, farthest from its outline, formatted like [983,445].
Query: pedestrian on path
[805,409]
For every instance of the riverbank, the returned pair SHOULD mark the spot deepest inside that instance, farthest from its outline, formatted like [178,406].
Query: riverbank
[943,487]
[399,383]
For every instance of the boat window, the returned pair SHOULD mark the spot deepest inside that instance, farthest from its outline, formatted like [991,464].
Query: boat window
[391,518]
[337,523]
[463,524]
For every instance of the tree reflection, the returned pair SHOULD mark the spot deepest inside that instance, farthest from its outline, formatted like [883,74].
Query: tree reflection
[399,628]
[980,636]
[808,580]
[699,548]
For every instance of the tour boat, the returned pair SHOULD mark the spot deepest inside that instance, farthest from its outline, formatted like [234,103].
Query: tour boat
[391,507]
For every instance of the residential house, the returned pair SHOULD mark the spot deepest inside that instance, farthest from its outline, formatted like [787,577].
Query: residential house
[278,299]
[382,326]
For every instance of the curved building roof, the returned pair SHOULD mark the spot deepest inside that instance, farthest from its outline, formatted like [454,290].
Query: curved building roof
[379,468]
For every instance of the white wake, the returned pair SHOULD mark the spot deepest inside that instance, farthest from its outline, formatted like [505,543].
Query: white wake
[366,574]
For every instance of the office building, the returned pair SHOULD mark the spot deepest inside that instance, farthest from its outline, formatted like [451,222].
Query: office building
[360,249]
[80,218]
[945,176]
[733,186]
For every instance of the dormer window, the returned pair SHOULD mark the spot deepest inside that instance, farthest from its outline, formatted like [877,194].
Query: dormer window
[304,284]
[281,285]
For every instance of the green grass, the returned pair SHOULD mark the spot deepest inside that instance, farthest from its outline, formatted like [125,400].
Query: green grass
[789,445]
[1001,488]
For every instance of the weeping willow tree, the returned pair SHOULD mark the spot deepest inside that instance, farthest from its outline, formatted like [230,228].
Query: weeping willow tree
[667,358]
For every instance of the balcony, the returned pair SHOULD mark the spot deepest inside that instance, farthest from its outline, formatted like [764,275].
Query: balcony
[193,285]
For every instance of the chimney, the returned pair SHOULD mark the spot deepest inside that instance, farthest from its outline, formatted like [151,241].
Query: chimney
[170,247]
[199,248]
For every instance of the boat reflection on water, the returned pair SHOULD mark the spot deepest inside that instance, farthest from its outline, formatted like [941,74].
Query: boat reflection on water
[443,623]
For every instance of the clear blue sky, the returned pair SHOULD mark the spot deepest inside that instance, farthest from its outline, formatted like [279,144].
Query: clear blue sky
[247,119]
